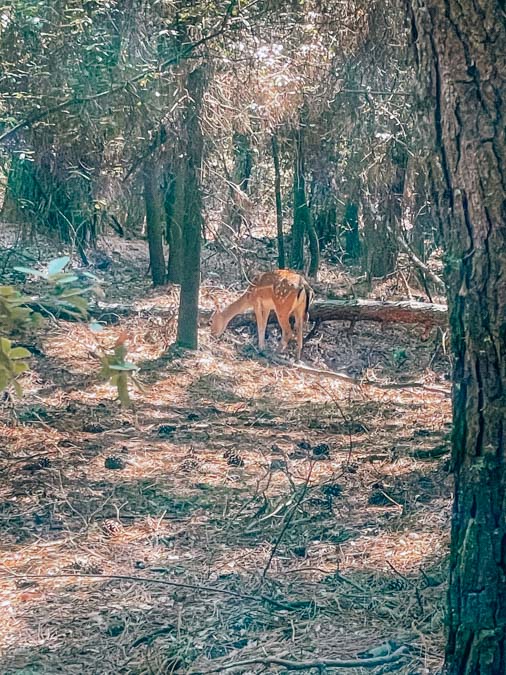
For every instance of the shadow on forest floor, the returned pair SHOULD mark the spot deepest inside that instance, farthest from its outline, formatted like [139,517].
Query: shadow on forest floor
[239,508]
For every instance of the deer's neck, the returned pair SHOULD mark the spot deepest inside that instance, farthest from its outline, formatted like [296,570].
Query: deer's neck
[235,308]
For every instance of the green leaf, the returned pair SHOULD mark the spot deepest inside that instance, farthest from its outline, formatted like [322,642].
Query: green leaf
[91,276]
[67,279]
[72,292]
[30,271]
[5,345]
[95,327]
[124,366]
[58,265]
[19,353]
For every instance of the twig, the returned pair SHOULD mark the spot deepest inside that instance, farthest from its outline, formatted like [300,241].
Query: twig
[288,520]
[163,582]
[307,665]
[360,383]
[425,269]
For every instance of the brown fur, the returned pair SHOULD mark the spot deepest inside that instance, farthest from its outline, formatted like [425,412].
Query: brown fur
[284,291]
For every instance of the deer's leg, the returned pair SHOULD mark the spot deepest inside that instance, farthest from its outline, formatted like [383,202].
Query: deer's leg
[261,316]
[286,330]
[299,329]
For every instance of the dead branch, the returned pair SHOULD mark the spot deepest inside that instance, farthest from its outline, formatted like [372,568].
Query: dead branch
[436,280]
[308,665]
[357,382]
[290,606]
[405,311]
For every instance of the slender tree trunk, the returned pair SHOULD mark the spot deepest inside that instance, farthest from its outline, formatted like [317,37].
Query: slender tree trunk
[279,204]
[187,329]
[152,198]
[174,214]
[461,47]
[300,212]
[314,247]
[302,223]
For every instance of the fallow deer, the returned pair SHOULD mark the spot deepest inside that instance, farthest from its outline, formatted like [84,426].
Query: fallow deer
[284,291]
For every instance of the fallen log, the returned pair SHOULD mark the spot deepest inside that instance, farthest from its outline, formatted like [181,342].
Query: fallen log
[411,312]
[405,311]
[424,314]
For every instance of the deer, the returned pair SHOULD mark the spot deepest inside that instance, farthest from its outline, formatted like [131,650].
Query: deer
[285,291]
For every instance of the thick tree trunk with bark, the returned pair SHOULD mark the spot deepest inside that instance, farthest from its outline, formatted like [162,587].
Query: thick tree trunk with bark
[379,249]
[461,46]
[353,245]
[153,203]
[187,328]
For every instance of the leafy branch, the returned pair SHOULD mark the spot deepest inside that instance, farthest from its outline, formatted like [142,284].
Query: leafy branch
[73,101]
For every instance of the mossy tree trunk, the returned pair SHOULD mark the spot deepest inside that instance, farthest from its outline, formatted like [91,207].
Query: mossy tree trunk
[187,329]
[460,46]
[300,206]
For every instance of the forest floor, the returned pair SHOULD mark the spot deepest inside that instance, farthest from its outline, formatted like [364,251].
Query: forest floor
[257,510]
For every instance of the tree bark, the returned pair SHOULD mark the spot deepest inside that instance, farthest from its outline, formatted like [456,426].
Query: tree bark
[279,204]
[314,248]
[422,313]
[187,328]
[353,246]
[174,214]
[461,48]
[152,199]
[300,207]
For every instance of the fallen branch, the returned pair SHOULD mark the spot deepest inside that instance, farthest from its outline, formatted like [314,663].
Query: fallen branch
[308,665]
[357,382]
[436,280]
[406,311]
[290,606]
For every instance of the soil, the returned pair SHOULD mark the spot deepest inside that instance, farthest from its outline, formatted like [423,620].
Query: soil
[241,509]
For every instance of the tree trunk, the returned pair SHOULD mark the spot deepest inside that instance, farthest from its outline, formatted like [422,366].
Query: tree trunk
[314,248]
[152,198]
[461,47]
[279,204]
[174,215]
[379,250]
[353,246]
[187,329]
[300,210]
[243,160]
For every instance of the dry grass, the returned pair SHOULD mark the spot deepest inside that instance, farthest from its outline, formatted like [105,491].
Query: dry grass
[351,570]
